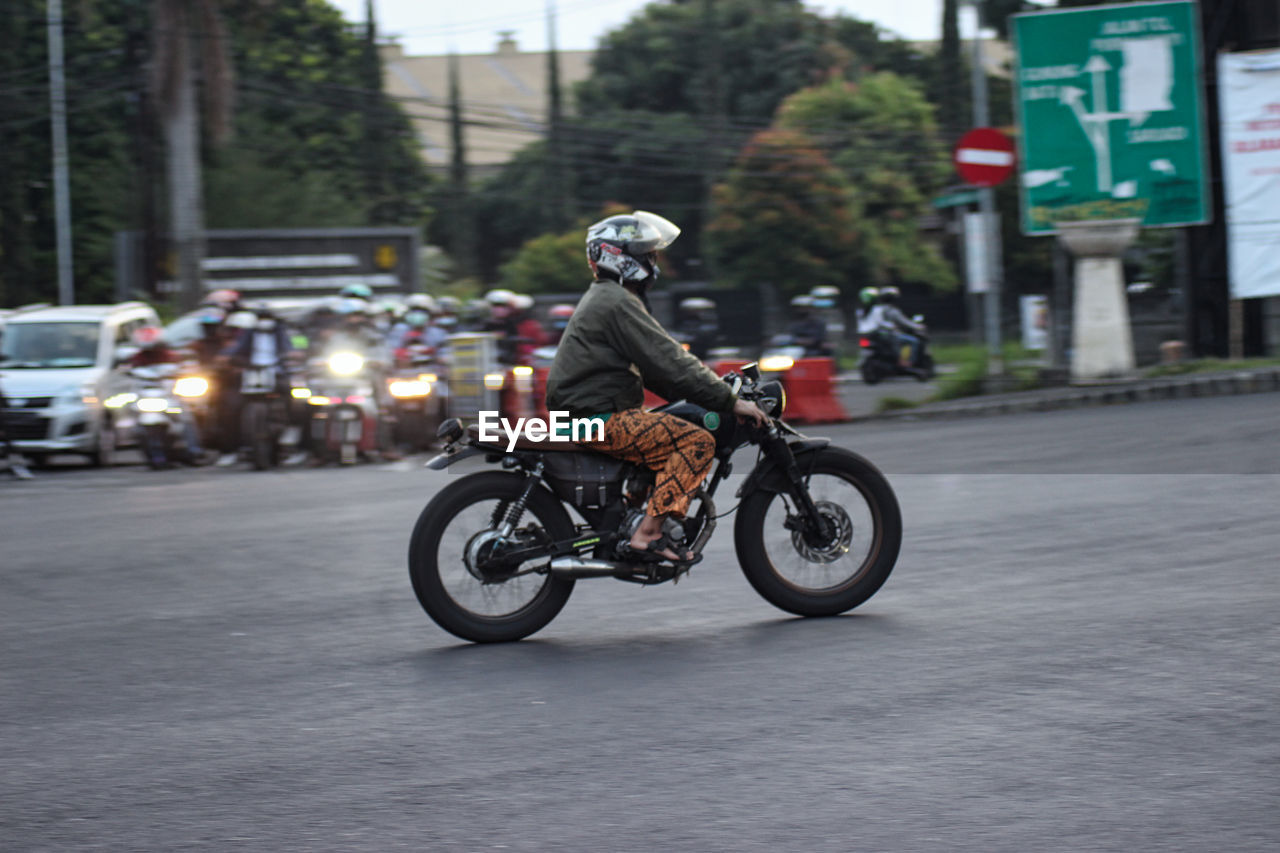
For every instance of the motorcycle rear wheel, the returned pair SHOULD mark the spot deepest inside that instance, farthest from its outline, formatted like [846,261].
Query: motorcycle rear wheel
[449,591]
[822,578]
[872,373]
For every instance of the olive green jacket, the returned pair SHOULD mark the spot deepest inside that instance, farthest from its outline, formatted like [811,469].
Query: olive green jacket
[613,349]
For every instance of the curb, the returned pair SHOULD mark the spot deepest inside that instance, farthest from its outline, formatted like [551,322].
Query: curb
[1228,383]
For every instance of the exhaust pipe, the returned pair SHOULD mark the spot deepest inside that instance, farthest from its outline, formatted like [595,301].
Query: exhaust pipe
[576,567]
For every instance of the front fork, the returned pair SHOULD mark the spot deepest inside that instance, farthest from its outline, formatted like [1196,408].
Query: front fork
[810,522]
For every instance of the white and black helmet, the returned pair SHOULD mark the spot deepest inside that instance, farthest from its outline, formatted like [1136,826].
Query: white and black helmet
[624,247]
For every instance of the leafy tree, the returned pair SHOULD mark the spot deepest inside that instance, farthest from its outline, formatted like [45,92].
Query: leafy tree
[782,217]
[674,95]
[301,154]
[550,263]
[880,132]
[637,160]
[672,58]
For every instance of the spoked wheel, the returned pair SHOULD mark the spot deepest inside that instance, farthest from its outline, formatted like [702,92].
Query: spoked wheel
[822,575]
[457,566]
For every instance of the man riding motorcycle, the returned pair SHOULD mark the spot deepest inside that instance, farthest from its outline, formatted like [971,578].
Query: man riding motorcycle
[907,330]
[612,349]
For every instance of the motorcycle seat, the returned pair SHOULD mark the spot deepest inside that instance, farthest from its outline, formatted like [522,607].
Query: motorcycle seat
[523,443]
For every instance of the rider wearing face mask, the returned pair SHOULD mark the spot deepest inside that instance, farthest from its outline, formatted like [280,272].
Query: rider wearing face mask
[613,349]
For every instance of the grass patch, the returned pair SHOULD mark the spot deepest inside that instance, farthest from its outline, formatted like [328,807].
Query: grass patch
[969,377]
[1207,365]
[894,404]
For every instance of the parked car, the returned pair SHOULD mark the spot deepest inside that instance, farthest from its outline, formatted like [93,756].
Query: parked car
[56,368]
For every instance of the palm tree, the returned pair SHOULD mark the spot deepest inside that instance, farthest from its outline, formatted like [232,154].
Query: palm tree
[189,45]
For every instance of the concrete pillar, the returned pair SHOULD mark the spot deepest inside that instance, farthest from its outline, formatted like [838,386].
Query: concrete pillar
[1102,341]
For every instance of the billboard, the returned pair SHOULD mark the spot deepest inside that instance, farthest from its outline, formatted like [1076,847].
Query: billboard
[1110,115]
[285,261]
[1249,103]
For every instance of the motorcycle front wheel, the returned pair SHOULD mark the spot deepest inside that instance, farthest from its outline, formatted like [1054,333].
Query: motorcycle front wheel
[257,432]
[157,445]
[455,581]
[812,576]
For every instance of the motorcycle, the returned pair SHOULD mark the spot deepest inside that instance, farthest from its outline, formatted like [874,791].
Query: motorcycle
[495,555]
[160,409]
[344,413]
[418,397]
[882,359]
[264,415]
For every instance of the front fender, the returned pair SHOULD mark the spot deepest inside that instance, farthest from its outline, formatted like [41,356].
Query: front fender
[769,477]
[444,460]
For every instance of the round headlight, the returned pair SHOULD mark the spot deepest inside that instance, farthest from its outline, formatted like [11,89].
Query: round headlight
[773,398]
[346,363]
[191,386]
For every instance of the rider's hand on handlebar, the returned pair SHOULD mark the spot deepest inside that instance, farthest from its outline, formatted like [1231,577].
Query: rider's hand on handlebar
[750,411]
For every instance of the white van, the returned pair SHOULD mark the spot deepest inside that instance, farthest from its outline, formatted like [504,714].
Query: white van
[55,371]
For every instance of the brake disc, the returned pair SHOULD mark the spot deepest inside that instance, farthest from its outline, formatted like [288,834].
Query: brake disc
[836,545]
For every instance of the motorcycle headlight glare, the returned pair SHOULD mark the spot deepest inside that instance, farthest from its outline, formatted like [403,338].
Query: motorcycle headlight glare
[494,381]
[346,363]
[777,363]
[152,404]
[116,401]
[407,388]
[191,386]
[300,393]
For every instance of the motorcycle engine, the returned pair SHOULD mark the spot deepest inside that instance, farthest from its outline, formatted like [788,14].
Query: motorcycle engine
[673,529]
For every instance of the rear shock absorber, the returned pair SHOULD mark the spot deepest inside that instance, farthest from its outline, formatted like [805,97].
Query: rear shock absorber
[517,508]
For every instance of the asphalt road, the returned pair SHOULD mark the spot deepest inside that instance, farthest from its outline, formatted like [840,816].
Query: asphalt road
[1078,650]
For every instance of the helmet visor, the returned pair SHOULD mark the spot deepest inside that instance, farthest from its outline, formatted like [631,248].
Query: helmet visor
[662,232]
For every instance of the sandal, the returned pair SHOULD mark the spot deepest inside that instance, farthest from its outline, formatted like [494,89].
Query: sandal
[652,553]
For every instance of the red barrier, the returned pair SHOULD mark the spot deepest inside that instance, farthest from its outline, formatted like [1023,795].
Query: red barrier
[811,393]
[540,391]
[516,399]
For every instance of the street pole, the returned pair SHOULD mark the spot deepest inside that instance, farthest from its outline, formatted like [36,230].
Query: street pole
[61,184]
[986,201]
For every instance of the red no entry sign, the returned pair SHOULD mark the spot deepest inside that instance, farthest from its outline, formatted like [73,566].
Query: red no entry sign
[984,157]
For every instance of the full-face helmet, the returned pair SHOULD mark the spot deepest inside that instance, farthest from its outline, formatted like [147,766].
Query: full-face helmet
[868,296]
[224,298]
[146,337]
[559,315]
[624,248]
[357,291]
[242,320]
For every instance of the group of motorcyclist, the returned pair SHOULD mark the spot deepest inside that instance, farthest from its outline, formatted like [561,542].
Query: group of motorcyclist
[237,334]
[390,335]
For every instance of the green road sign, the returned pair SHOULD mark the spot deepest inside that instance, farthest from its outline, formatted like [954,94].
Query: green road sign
[1109,111]
[955,198]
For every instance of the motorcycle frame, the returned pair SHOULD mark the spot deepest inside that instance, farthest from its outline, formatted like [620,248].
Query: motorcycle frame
[778,470]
